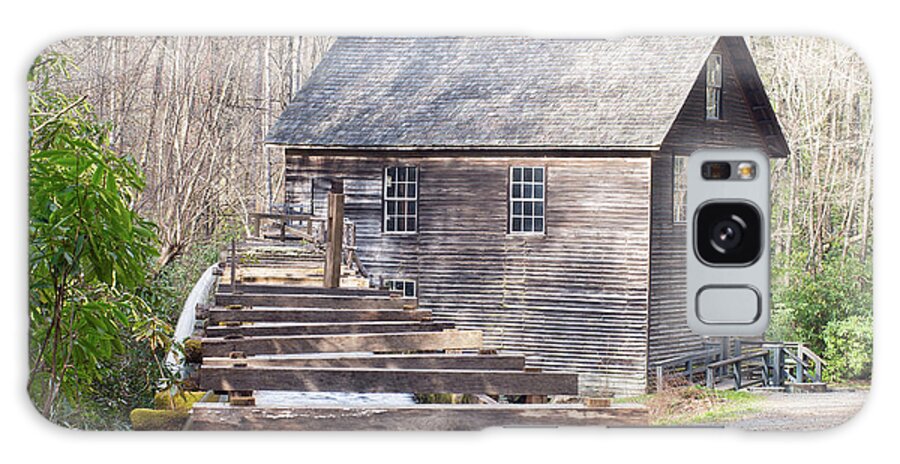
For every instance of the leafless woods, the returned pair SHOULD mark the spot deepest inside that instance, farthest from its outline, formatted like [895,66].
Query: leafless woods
[193,111]
[822,193]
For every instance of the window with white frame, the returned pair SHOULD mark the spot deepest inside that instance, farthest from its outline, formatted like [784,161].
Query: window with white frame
[401,189]
[526,199]
[679,188]
[405,286]
[714,86]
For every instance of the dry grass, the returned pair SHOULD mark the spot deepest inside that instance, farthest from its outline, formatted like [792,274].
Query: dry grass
[680,403]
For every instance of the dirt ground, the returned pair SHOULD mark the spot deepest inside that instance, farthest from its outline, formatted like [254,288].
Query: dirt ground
[802,411]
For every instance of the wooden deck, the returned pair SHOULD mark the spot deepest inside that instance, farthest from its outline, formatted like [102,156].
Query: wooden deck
[285,336]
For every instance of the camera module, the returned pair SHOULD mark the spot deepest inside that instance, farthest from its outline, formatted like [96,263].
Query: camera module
[728,233]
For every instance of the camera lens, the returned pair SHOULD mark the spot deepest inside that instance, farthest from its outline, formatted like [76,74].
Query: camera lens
[728,233]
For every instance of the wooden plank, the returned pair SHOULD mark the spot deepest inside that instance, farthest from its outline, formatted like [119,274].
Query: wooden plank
[378,343]
[306,290]
[388,380]
[444,417]
[313,301]
[326,328]
[217,315]
[506,362]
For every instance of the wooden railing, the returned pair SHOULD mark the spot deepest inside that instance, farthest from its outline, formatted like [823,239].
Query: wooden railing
[773,363]
[687,366]
[340,247]
[308,227]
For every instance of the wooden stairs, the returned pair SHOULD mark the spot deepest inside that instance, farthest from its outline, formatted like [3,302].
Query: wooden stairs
[288,333]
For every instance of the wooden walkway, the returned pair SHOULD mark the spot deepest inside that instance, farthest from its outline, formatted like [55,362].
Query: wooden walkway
[284,333]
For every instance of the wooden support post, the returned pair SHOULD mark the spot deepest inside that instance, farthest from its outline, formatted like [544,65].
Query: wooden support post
[334,237]
[234,284]
[777,367]
[660,385]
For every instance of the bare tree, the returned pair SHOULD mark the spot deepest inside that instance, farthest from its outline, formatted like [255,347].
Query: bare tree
[194,112]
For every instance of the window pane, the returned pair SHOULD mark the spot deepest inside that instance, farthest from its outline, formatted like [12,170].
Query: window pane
[526,191]
[527,225]
[538,225]
[714,71]
[517,207]
[529,208]
[538,174]
[517,191]
[411,224]
[539,208]
[391,207]
[411,190]
[391,225]
[411,208]
[517,225]
[517,174]
[412,173]
[539,191]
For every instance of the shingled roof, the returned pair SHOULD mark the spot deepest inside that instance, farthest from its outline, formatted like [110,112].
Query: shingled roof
[490,92]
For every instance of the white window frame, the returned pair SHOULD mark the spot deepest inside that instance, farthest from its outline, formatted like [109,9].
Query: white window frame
[714,87]
[398,200]
[402,285]
[511,202]
[679,189]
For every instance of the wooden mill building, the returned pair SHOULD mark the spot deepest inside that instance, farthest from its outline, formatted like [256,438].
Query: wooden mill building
[529,188]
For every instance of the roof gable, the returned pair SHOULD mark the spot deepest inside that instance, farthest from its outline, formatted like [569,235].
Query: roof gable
[490,92]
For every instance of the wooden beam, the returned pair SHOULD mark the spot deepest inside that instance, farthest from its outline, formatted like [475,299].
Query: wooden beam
[388,380]
[377,343]
[306,290]
[217,315]
[326,328]
[313,301]
[507,362]
[444,417]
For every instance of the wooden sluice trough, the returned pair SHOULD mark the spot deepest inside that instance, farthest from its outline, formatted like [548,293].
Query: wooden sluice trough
[289,337]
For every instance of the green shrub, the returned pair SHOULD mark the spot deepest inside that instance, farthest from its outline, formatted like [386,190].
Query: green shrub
[848,349]
[829,309]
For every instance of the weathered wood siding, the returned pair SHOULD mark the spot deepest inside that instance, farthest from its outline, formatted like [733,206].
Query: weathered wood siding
[669,333]
[691,130]
[575,299]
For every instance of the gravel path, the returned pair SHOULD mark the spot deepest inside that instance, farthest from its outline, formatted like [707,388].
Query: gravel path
[803,411]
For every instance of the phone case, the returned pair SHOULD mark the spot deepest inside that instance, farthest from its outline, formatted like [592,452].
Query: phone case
[435,233]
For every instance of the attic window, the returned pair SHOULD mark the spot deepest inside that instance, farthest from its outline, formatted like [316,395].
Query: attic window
[526,200]
[714,86]
[401,189]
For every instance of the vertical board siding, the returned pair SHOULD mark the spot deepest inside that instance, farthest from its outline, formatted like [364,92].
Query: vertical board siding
[575,299]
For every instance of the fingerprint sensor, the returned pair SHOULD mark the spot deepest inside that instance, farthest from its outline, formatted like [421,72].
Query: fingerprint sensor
[728,304]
